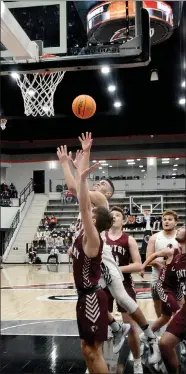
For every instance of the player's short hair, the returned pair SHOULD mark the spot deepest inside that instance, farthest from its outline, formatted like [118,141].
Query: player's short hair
[170,212]
[104,219]
[111,185]
[118,209]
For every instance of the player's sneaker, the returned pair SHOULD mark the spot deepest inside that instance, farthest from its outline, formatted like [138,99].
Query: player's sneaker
[138,368]
[153,344]
[119,336]
[155,355]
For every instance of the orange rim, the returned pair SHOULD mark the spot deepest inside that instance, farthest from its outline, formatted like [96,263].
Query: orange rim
[47,55]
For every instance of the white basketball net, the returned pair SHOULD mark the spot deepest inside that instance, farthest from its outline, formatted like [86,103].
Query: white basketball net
[3,122]
[38,92]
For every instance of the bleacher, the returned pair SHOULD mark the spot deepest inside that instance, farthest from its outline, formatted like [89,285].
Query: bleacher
[67,213]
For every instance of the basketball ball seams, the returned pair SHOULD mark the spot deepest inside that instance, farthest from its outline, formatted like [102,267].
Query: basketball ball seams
[84,106]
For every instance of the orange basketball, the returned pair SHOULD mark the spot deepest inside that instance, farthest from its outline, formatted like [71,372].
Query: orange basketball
[84,106]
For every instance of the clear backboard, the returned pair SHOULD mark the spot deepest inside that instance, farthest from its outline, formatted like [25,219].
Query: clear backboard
[81,34]
[141,203]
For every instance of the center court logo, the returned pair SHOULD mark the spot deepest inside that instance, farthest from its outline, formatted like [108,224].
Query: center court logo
[58,298]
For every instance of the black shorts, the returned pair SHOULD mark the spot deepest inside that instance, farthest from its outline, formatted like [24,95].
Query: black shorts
[92,317]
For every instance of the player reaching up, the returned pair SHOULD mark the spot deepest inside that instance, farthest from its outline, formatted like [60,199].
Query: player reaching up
[92,308]
[111,274]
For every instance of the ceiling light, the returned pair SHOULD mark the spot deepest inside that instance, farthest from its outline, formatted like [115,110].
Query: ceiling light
[105,70]
[165,162]
[111,88]
[140,166]
[154,75]
[143,170]
[175,165]
[110,166]
[15,75]
[117,104]
[131,163]
[173,177]
[100,167]
[182,101]
[177,158]
[130,160]
[173,173]
[103,172]
[52,165]
[165,159]
[105,164]
[94,161]
[138,159]
[183,84]
[102,161]
[174,169]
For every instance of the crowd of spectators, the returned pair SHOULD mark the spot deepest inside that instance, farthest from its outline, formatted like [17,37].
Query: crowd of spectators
[7,192]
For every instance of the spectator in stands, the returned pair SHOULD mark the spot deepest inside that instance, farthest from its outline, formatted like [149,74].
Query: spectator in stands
[13,191]
[52,222]
[58,242]
[72,227]
[49,242]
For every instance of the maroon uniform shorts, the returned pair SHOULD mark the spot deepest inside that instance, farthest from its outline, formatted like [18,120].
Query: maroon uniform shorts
[177,326]
[171,305]
[92,317]
[129,289]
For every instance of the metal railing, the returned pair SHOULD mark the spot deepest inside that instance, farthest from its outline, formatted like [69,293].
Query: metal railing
[12,229]
[26,192]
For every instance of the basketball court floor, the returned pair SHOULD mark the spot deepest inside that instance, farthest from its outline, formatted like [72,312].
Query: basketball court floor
[38,320]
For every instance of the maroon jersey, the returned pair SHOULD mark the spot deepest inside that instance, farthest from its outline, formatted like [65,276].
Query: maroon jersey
[173,277]
[121,253]
[87,271]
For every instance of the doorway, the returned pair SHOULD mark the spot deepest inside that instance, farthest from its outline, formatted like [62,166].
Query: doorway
[39,181]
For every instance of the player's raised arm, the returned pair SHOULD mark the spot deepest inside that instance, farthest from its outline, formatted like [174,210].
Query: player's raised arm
[167,252]
[64,159]
[92,239]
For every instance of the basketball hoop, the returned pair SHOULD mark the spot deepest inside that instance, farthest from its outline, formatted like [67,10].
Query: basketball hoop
[3,123]
[146,213]
[38,90]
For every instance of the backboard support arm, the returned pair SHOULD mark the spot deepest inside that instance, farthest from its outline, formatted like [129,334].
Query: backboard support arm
[14,38]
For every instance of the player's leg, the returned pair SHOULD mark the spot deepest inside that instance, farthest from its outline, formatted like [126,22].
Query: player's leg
[119,330]
[93,329]
[134,342]
[119,293]
[93,355]
[156,300]
[174,334]
[167,345]
[164,318]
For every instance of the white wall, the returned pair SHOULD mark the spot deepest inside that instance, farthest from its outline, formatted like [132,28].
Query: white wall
[2,174]
[7,215]
[20,173]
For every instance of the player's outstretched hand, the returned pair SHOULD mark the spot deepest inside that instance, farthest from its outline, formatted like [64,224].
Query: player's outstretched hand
[62,154]
[86,141]
[90,170]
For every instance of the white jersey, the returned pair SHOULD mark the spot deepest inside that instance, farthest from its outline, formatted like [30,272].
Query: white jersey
[162,242]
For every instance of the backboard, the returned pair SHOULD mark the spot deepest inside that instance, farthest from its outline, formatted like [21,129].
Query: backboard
[82,34]
[141,203]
